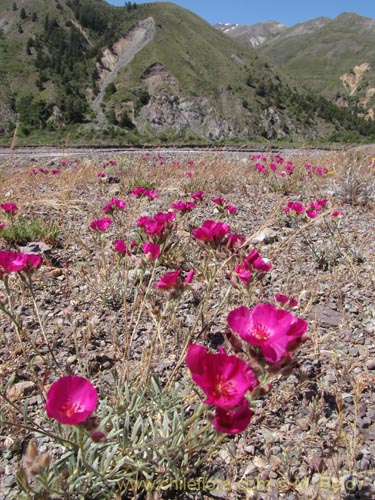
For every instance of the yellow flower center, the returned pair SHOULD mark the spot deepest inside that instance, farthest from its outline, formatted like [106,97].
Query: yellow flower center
[69,408]
[260,332]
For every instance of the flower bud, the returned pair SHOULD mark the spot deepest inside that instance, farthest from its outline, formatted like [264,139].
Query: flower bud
[99,437]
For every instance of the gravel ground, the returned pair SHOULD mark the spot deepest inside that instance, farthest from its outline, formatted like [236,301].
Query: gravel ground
[312,436]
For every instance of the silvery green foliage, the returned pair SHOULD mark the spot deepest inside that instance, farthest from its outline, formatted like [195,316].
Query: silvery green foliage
[155,438]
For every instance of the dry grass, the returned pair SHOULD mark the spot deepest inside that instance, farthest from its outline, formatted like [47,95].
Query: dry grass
[105,320]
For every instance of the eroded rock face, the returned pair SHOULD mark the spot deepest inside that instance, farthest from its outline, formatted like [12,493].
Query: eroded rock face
[352,79]
[352,83]
[120,54]
[156,76]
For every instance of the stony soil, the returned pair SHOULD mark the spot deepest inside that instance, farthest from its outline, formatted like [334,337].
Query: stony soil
[312,436]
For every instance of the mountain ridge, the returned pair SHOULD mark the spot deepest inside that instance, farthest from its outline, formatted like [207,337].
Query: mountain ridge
[188,83]
[321,55]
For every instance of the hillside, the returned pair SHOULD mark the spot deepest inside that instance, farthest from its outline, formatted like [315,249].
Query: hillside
[334,57]
[83,72]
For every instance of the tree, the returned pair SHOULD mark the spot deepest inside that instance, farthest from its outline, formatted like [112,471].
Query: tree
[23,14]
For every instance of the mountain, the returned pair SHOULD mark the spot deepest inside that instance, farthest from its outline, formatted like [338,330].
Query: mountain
[333,57]
[86,72]
[254,35]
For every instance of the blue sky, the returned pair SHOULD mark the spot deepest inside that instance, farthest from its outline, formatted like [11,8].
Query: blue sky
[288,12]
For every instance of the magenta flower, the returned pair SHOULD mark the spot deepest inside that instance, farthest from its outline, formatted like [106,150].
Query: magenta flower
[169,280]
[337,213]
[235,241]
[184,206]
[151,194]
[312,214]
[242,271]
[219,201]
[120,246]
[151,249]
[114,203]
[224,379]
[71,399]
[9,208]
[274,330]
[286,301]
[255,261]
[294,206]
[190,275]
[138,191]
[172,281]
[158,226]
[141,191]
[231,209]
[234,420]
[211,231]
[101,224]
[198,195]
[2,225]
[318,204]
[12,262]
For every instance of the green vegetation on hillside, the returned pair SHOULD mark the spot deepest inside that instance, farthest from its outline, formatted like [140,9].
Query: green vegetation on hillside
[190,83]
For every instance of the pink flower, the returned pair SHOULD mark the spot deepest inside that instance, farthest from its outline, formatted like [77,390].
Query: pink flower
[12,262]
[138,191]
[318,204]
[312,214]
[285,300]
[120,246]
[219,201]
[211,231]
[169,280]
[9,208]
[255,261]
[151,194]
[243,273]
[55,171]
[184,206]
[158,226]
[231,209]
[337,213]
[101,224]
[151,249]
[224,379]
[71,399]
[198,195]
[2,225]
[234,241]
[114,203]
[234,420]
[101,175]
[141,191]
[274,330]
[172,281]
[189,276]
[99,437]
[295,206]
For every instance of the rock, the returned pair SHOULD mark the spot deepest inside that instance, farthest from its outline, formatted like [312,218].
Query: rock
[303,423]
[37,247]
[265,236]
[370,364]
[20,389]
[325,316]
